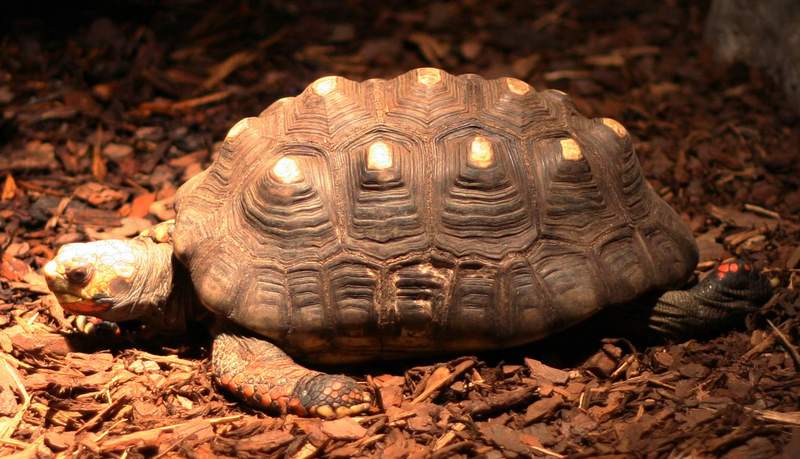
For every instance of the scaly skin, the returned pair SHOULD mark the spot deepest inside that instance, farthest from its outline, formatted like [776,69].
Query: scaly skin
[731,291]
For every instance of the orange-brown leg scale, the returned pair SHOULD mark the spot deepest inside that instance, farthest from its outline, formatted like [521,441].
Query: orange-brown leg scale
[262,375]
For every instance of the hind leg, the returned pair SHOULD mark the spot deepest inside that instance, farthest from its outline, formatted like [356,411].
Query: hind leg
[727,294]
[262,375]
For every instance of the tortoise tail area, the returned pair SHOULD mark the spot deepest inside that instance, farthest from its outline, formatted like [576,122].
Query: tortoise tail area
[261,374]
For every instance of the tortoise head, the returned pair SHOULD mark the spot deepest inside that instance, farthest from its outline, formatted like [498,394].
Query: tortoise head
[116,280]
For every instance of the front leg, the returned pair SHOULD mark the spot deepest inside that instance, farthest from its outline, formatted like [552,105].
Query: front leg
[262,375]
[94,326]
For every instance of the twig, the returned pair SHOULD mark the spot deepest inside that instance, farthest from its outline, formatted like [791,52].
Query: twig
[789,347]
[432,389]
[792,417]
[758,210]
[546,451]
[8,428]
[14,443]
[167,359]
[102,413]
[151,436]
[180,439]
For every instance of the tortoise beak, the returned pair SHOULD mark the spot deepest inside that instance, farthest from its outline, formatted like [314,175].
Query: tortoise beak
[80,306]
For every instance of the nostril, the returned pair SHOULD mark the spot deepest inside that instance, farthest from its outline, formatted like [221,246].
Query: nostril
[80,275]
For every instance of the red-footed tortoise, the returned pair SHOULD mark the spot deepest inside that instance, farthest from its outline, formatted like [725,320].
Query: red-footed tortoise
[423,214]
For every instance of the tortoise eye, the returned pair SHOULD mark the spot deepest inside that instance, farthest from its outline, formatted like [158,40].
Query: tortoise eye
[80,275]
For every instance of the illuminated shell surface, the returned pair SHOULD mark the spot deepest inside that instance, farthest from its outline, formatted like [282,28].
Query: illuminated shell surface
[425,213]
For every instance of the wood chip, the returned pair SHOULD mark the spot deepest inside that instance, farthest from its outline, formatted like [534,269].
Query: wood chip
[343,429]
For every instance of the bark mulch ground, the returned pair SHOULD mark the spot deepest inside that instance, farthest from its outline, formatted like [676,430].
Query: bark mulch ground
[105,113]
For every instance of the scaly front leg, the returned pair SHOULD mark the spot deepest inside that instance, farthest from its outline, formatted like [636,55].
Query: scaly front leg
[261,374]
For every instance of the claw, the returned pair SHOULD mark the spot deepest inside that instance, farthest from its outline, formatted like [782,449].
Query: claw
[92,326]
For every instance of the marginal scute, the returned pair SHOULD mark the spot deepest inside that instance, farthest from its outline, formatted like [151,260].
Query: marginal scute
[530,314]
[418,298]
[309,320]
[623,265]
[265,304]
[475,311]
[216,274]
[354,286]
[570,277]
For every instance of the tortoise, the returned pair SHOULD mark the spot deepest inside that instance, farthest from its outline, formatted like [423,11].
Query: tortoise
[382,219]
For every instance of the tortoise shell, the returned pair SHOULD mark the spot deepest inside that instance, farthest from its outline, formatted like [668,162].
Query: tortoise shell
[425,213]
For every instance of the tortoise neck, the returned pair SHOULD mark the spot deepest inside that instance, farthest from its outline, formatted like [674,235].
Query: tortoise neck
[182,304]
[153,285]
